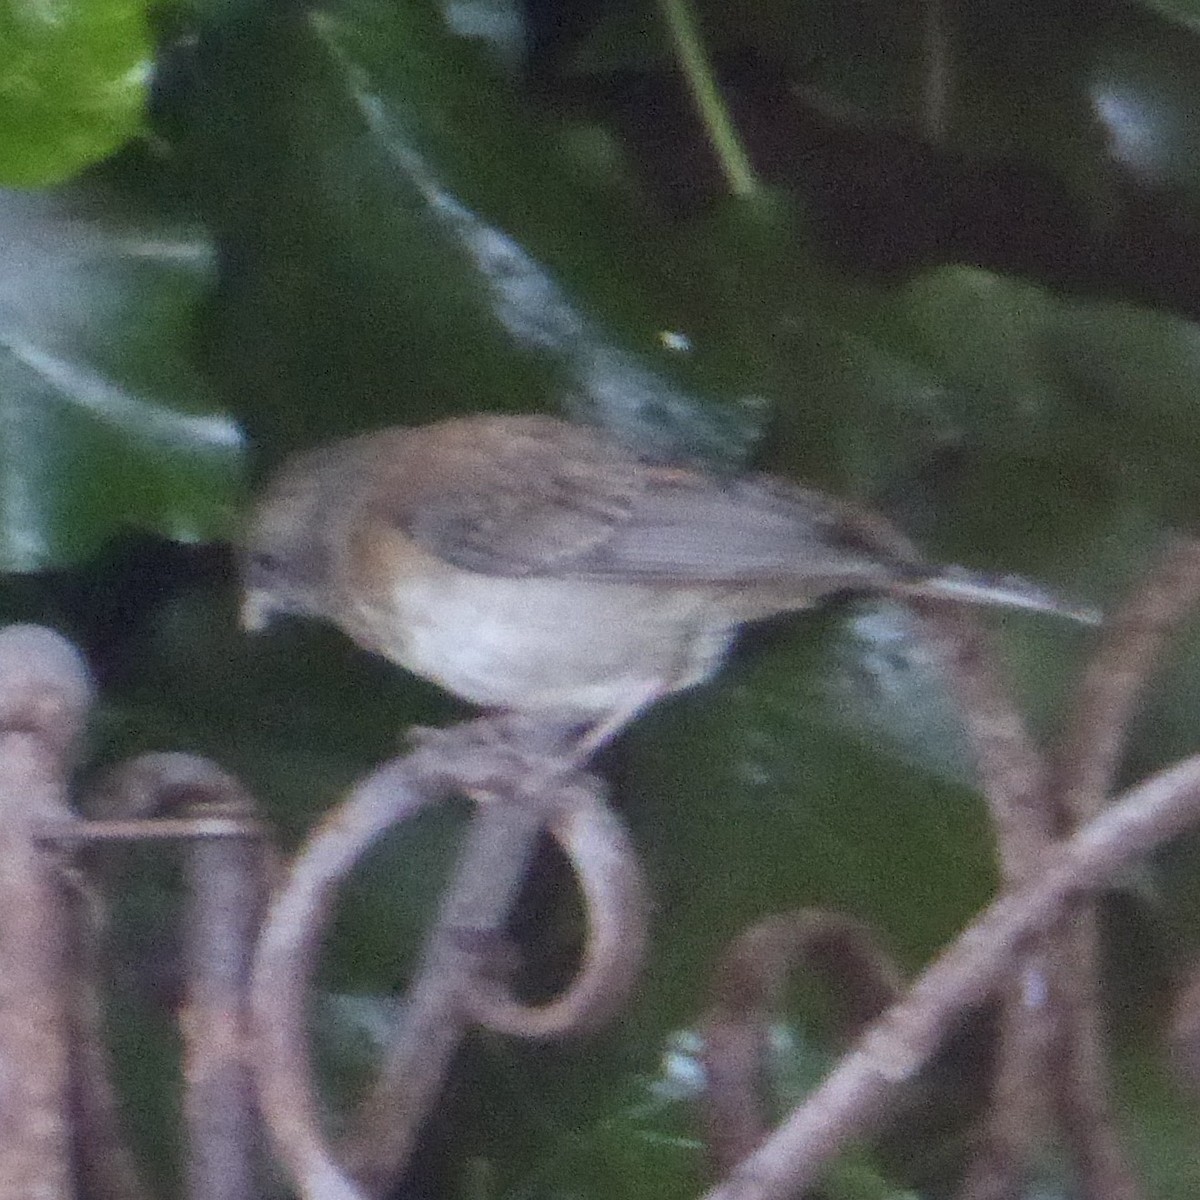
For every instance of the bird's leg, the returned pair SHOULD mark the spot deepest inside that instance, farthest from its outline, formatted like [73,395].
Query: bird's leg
[598,735]
[550,748]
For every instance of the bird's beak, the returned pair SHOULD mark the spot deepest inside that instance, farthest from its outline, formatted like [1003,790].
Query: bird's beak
[256,611]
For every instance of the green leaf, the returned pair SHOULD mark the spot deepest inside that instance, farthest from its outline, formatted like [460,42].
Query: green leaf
[73,82]
[105,422]
[435,255]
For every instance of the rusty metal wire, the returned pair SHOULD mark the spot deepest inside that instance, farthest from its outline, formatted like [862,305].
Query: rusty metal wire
[1024,930]
[1061,838]
[747,990]
[856,1091]
[45,692]
[225,888]
[455,987]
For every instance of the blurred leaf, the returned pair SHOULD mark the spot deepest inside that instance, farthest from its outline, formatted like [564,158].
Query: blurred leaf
[642,1138]
[433,252]
[1163,1135]
[1186,12]
[105,422]
[73,80]
[1144,91]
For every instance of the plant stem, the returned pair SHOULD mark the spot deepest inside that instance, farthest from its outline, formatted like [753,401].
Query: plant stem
[689,48]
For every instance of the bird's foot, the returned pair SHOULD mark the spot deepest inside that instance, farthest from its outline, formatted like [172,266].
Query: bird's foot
[506,755]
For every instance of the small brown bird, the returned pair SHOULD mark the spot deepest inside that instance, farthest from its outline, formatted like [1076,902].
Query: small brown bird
[532,565]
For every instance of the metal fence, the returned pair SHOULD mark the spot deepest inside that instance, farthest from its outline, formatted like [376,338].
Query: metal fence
[253,927]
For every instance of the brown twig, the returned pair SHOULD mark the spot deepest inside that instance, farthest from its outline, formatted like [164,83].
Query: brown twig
[1085,768]
[853,1095]
[605,866]
[155,829]
[452,986]
[226,891]
[747,991]
[1013,776]
[45,692]
[285,959]
[500,842]
[1011,770]
[1129,651]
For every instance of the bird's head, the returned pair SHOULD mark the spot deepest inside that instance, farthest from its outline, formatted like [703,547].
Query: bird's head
[285,552]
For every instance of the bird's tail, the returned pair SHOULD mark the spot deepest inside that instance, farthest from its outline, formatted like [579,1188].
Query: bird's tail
[1003,591]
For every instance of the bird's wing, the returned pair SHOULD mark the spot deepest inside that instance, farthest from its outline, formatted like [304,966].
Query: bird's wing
[597,512]
[751,529]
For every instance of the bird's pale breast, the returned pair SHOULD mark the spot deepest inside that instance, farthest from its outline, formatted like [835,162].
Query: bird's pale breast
[563,647]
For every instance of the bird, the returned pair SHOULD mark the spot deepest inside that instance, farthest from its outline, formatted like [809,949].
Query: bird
[543,568]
